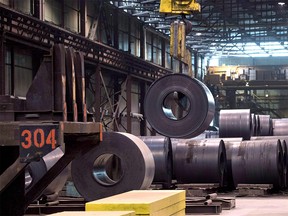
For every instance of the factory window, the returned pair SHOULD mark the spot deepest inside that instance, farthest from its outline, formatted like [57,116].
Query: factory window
[5,2]
[92,20]
[72,15]
[135,38]
[175,65]
[157,47]
[148,49]
[18,72]
[123,27]
[8,72]
[23,6]
[53,12]
[22,72]
[167,55]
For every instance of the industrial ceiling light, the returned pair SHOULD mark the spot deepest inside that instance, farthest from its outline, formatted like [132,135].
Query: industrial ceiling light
[281,3]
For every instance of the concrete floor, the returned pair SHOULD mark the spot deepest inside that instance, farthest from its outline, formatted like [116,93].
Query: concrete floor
[257,206]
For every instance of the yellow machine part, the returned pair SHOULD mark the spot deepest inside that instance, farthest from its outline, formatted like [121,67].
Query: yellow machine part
[177,39]
[179,6]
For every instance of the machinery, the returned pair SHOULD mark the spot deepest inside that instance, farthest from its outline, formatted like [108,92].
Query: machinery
[52,115]
[179,28]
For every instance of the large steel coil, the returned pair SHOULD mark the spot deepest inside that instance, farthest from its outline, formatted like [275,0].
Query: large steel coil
[283,140]
[200,161]
[33,173]
[36,170]
[235,123]
[265,125]
[258,162]
[122,162]
[255,124]
[162,152]
[230,146]
[179,106]
[280,127]
[58,183]
[285,163]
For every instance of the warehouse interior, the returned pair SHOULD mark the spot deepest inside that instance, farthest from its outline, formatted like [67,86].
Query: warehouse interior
[99,98]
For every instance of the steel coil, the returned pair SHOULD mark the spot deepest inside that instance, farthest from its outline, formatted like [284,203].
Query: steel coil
[36,170]
[258,162]
[265,125]
[162,153]
[200,161]
[235,123]
[230,146]
[122,162]
[283,140]
[285,163]
[179,106]
[33,173]
[58,183]
[280,127]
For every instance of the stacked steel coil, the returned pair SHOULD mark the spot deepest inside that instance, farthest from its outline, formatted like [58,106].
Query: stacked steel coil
[122,162]
[179,106]
[161,149]
[258,162]
[280,127]
[200,161]
[235,123]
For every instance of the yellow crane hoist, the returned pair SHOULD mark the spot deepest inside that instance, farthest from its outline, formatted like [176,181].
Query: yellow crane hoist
[179,6]
[179,28]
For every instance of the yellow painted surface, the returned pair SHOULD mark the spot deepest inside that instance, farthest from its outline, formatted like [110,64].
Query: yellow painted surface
[169,210]
[96,213]
[140,201]
[180,213]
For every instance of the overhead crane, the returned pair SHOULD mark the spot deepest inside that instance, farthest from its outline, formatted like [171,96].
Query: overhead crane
[179,28]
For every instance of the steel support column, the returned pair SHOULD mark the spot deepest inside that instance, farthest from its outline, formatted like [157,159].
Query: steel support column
[83,17]
[97,115]
[143,123]
[2,64]
[128,97]
[195,64]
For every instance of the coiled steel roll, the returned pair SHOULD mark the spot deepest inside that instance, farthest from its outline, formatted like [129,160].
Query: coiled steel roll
[285,163]
[265,125]
[120,163]
[235,123]
[258,162]
[230,146]
[162,152]
[280,127]
[36,170]
[179,106]
[58,183]
[255,124]
[200,161]
[283,140]
[33,173]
